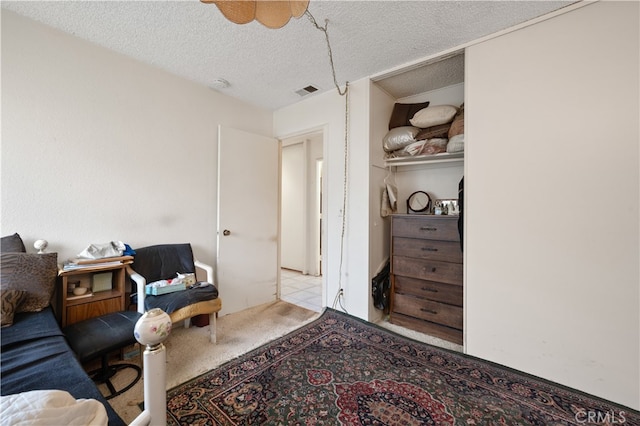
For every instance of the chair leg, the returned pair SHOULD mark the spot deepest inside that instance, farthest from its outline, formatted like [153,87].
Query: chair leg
[187,323]
[212,327]
[106,372]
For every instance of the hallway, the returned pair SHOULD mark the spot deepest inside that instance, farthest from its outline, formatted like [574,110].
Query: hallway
[301,290]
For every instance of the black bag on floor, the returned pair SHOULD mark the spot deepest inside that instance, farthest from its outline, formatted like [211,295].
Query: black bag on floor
[380,287]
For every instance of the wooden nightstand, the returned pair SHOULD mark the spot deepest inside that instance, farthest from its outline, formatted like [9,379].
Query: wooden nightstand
[105,276]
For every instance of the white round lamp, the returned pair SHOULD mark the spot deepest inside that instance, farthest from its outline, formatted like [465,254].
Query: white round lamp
[40,245]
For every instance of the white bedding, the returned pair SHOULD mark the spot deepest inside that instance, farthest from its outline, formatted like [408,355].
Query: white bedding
[50,407]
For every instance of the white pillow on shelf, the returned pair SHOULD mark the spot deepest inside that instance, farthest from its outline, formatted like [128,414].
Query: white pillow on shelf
[433,116]
[456,144]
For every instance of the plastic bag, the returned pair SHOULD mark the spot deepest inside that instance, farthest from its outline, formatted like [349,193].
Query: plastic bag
[99,251]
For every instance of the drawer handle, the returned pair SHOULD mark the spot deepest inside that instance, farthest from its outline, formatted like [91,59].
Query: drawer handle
[432,290]
[428,228]
[429,249]
[429,311]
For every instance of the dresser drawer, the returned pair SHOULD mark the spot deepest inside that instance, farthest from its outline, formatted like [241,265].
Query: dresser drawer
[426,269]
[439,292]
[443,332]
[428,227]
[439,313]
[448,251]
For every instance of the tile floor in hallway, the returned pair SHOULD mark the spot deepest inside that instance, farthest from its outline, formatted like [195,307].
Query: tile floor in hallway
[301,290]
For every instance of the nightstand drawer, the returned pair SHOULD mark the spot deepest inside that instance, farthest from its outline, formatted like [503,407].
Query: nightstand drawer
[439,292]
[448,251]
[428,227]
[436,312]
[85,311]
[426,269]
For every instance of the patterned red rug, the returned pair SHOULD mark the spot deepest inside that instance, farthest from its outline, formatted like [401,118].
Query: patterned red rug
[341,370]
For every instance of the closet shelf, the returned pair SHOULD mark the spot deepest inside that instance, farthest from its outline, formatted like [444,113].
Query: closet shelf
[457,157]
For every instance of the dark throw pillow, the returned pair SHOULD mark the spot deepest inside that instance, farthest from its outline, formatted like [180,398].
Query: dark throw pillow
[402,113]
[12,243]
[10,301]
[34,273]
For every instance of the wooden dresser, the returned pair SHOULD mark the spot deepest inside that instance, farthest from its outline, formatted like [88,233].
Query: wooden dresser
[426,275]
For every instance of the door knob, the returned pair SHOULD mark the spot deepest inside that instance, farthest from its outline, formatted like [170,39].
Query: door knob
[226,232]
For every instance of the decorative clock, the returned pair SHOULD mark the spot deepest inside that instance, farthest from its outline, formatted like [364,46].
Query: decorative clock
[419,203]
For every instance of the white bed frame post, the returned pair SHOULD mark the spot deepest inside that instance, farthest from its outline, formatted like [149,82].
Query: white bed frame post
[155,394]
[155,382]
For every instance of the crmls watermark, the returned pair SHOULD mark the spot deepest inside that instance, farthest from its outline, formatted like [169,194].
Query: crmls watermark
[610,417]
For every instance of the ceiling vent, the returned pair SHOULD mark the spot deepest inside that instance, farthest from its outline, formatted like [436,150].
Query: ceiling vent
[306,90]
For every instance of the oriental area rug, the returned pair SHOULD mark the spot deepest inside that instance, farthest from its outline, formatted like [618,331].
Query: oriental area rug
[342,370]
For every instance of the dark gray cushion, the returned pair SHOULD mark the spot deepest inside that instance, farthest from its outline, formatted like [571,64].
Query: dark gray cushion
[12,243]
[171,302]
[95,337]
[34,273]
[164,261]
[10,300]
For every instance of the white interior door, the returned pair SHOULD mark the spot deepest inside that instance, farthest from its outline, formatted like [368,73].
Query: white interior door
[248,208]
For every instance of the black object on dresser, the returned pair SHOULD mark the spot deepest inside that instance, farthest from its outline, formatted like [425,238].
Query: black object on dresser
[426,278]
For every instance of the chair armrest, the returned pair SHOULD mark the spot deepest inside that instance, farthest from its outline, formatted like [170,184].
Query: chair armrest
[141,282]
[205,267]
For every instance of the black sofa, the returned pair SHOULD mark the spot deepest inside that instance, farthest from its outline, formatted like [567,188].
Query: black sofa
[34,351]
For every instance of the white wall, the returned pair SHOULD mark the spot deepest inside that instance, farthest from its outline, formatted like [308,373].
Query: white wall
[98,147]
[552,188]
[293,207]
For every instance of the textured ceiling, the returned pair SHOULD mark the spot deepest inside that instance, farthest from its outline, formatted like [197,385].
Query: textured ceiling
[265,67]
[441,73]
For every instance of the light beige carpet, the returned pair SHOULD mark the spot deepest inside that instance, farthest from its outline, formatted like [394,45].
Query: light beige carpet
[190,354]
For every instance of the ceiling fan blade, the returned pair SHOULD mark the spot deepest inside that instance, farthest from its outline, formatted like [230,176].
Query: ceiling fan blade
[298,7]
[270,13]
[274,13]
[239,12]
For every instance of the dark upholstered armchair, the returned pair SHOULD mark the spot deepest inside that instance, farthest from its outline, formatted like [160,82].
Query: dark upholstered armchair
[163,262]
